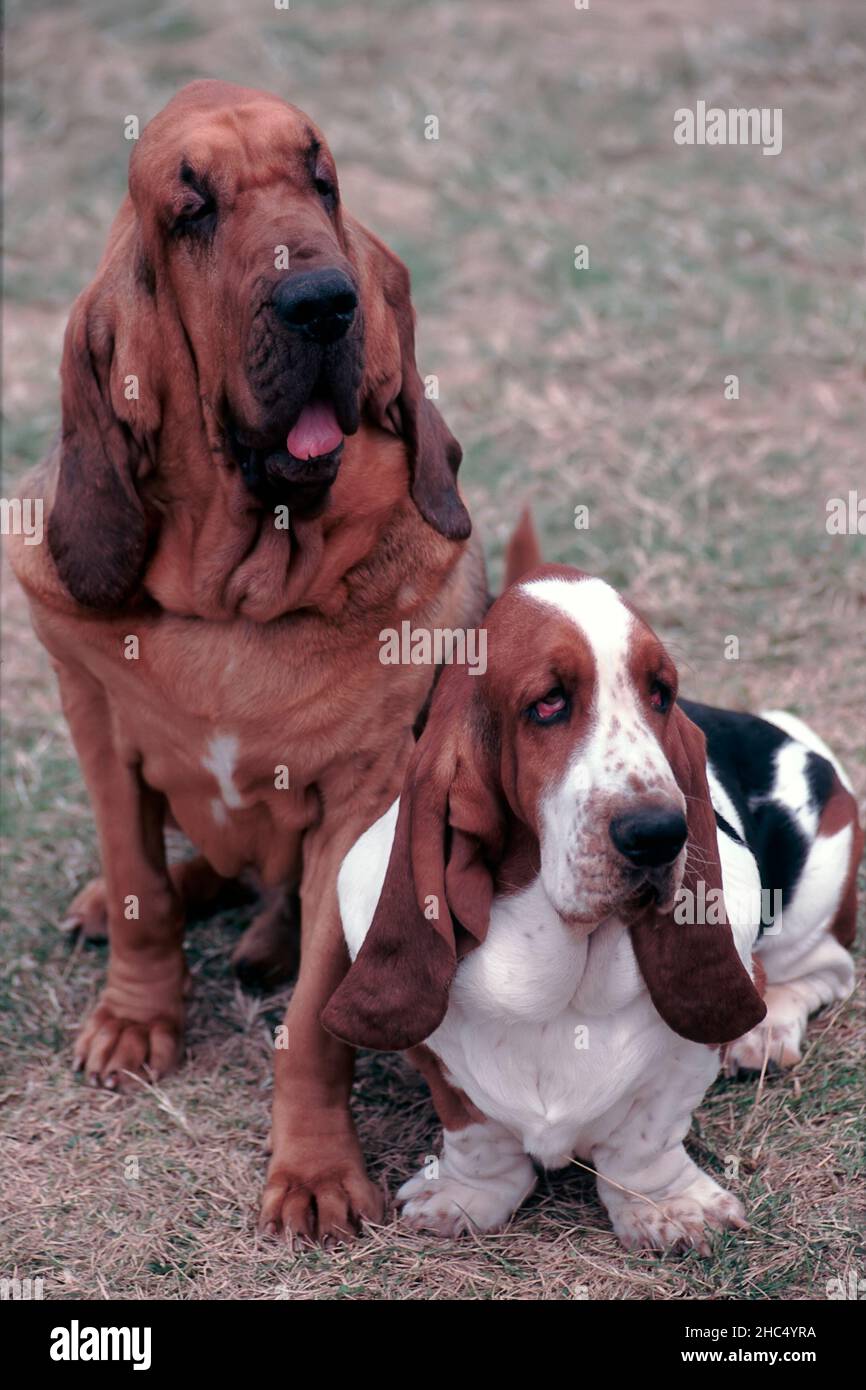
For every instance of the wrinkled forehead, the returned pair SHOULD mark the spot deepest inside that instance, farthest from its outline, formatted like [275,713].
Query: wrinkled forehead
[239,138]
[564,624]
[593,611]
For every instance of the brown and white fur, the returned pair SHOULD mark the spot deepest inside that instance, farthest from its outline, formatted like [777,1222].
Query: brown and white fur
[573,1025]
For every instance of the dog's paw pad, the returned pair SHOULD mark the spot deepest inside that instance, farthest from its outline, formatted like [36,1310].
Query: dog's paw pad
[678,1223]
[778,1043]
[446,1206]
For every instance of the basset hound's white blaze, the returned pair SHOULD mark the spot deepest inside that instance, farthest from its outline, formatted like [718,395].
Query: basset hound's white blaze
[578,860]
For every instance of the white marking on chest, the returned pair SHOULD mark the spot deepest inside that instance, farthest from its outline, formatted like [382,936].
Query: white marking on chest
[221,761]
[547,1031]
[550,1032]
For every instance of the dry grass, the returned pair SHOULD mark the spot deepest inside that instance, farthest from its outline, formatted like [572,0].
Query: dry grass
[601,387]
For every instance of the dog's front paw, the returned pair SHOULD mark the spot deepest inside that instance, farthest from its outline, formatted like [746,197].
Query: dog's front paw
[679,1223]
[112,1049]
[330,1205]
[448,1205]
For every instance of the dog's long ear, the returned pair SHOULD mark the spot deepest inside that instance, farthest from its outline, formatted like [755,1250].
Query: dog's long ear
[439,881]
[693,972]
[97,533]
[396,399]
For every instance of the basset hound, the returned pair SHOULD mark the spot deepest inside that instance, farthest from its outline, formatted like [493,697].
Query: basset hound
[570,915]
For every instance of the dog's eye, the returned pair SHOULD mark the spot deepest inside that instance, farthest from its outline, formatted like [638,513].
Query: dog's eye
[199,215]
[326,191]
[660,696]
[550,708]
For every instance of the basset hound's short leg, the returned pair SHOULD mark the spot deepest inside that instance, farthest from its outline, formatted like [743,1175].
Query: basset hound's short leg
[478,1182]
[678,1214]
[137,1025]
[656,1196]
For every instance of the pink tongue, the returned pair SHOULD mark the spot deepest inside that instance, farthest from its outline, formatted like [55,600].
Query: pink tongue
[315,432]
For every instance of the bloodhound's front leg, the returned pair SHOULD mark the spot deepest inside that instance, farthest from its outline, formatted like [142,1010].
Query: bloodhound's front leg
[317,1184]
[137,1025]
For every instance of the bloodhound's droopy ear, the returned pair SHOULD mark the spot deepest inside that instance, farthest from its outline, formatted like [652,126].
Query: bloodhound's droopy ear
[97,532]
[438,889]
[693,972]
[399,402]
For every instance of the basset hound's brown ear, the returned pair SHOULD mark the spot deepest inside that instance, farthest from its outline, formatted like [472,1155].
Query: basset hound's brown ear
[97,533]
[397,398]
[436,898]
[694,975]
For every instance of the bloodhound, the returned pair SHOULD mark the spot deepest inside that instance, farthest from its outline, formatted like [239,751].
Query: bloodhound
[249,486]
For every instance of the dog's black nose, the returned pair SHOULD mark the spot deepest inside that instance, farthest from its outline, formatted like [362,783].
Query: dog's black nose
[650,838]
[320,304]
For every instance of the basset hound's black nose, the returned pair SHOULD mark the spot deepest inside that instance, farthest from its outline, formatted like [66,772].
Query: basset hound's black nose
[650,838]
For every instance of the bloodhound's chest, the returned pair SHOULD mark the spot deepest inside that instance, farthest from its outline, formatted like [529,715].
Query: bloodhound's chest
[238,723]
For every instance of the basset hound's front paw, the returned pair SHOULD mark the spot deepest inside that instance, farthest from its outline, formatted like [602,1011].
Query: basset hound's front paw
[476,1186]
[679,1223]
[448,1207]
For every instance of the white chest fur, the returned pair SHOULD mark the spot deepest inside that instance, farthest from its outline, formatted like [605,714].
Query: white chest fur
[549,1033]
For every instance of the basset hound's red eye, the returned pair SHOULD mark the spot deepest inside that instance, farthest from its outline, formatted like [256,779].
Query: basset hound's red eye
[552,706]
[660,696]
